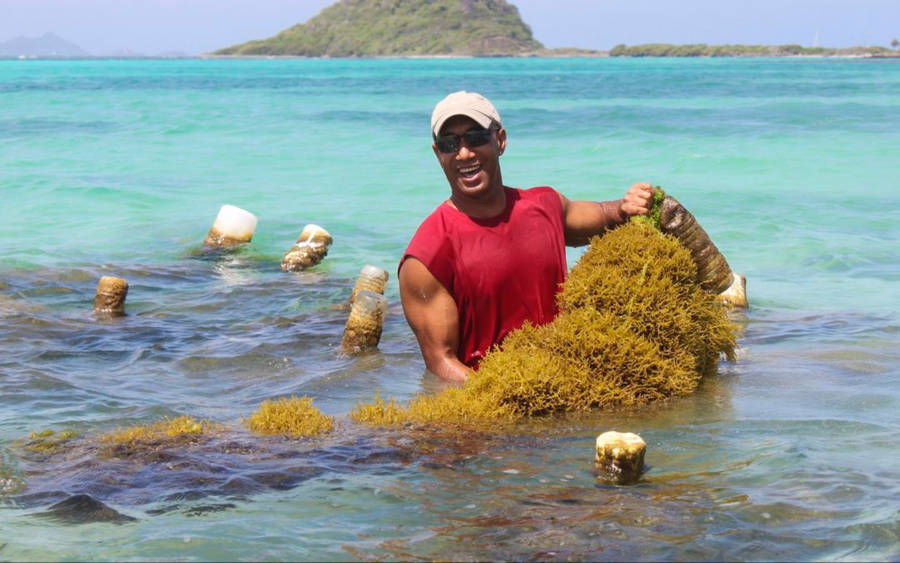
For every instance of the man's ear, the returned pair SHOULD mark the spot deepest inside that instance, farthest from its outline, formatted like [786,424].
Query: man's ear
[436,153]
[501,140]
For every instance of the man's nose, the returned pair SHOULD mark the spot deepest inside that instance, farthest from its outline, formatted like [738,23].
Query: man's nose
[464,152]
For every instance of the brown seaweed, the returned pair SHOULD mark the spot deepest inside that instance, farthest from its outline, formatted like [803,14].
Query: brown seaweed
[634,327]
[290,417]
[162,433]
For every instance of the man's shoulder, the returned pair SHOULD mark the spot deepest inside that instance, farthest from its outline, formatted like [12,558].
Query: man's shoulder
[541,196]
[434,229]
[436,220]
[536,192]
[432,245]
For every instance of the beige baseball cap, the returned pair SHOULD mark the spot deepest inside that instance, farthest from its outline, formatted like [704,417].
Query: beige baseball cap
[465,103]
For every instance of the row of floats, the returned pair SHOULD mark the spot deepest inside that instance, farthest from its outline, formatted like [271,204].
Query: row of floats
[235,226]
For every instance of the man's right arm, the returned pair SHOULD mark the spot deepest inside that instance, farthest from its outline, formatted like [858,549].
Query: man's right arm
[584,219]
[434,318]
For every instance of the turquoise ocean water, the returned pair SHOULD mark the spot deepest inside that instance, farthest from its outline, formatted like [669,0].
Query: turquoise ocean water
[118,167]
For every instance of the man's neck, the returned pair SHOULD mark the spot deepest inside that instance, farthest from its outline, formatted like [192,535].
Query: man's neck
[486,208]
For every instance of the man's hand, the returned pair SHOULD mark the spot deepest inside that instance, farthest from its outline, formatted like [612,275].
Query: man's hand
[637,199]
[584,219]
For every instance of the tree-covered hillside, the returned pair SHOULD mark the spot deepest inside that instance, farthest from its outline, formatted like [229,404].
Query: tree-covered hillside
[704,50]
[361,28]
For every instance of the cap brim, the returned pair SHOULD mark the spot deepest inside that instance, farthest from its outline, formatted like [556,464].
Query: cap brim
[478,117]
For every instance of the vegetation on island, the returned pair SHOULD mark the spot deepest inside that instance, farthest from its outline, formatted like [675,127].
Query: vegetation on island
[409,28]
[704,50]
[365,28]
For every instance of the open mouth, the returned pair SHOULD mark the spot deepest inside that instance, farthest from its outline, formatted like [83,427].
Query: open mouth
[470,171]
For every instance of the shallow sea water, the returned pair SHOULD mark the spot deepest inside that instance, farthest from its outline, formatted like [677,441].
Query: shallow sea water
[118,168]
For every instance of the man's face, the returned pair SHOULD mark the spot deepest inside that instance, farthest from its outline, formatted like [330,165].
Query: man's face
[473,171]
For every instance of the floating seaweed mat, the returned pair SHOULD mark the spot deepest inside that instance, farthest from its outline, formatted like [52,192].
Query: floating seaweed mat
[290,417]
[634,327]
[49,441]
[166,432]
[287,416]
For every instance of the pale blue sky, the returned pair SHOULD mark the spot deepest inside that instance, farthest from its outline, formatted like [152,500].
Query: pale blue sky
[198,26]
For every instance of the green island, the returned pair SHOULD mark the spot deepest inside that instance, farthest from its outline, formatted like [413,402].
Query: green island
[704,50]
[372,28]
[470,28]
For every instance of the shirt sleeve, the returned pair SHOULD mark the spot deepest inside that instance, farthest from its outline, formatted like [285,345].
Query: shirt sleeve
[550,201]
[432,247]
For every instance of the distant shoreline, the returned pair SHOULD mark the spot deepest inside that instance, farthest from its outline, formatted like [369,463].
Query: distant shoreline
[599,55]
[544,54]
[656,50]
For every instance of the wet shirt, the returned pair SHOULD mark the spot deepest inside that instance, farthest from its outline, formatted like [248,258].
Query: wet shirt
[501,271]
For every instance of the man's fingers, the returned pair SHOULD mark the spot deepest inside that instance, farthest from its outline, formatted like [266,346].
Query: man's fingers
[637,199]
[635,209]
[642,190]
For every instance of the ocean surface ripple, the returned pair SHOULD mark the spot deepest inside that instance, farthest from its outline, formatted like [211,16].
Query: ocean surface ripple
[118,167]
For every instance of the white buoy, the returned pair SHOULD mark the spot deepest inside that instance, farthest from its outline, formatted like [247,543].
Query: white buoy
[620,454]
[110,296]
[310,248]
[736,294]
[371,278]
[232,226]
[365,322]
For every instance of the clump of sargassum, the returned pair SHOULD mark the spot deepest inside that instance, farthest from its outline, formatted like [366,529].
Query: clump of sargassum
[634,326]
[49,441]
[296,417]
[169,431]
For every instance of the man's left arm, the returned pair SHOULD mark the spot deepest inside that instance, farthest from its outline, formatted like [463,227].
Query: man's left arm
[584,219]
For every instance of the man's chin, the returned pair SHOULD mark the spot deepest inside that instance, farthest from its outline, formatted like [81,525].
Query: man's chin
[473,190]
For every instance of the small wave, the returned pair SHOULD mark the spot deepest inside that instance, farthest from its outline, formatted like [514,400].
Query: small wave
[13,128]
[778,327]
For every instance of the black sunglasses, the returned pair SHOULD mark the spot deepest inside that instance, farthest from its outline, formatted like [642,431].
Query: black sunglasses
[475,137]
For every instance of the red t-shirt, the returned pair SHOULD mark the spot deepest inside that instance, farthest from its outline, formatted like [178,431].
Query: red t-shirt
[500,271]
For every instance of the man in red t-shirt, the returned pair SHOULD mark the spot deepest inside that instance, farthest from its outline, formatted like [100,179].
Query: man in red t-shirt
[490,257]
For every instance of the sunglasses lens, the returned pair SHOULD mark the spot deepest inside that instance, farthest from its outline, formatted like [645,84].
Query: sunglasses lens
[447,143]
[473,137]
[477,137]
